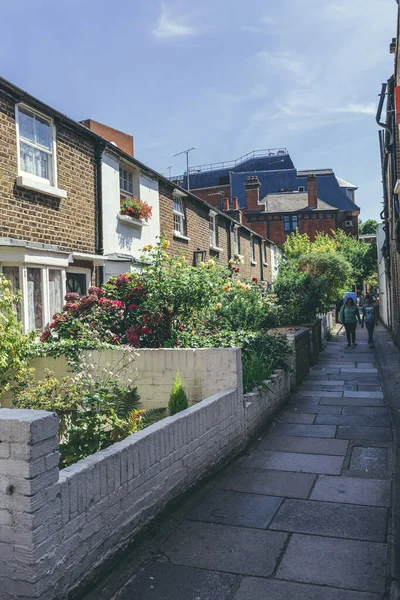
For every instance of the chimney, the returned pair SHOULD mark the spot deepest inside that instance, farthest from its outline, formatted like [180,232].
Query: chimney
[225,204]
[312,191]
[235,211]
[122,140]
[252,186]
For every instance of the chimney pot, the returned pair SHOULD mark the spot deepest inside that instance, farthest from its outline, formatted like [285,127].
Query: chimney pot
[225,203]
[235,204]
[252,185]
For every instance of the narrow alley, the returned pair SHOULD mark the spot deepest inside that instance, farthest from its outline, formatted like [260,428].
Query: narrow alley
[304,514]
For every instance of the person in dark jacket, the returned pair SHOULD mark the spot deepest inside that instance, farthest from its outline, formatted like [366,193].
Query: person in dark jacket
[370,318]
[349,315]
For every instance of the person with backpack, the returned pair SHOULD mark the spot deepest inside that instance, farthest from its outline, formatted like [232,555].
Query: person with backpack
[370,318]
[349,315]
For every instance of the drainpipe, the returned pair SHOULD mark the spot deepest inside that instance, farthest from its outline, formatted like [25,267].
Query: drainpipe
[99,204]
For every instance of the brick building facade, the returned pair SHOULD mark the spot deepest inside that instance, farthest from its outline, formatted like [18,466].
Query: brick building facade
[48,227]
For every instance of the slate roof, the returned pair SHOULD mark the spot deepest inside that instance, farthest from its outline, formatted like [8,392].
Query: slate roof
[292,202]
[345,184]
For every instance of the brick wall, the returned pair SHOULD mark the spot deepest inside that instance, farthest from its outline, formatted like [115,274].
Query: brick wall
[212,196]
[32,216]
[59,529]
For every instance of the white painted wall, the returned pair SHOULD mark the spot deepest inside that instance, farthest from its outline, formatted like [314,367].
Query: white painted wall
[119,237]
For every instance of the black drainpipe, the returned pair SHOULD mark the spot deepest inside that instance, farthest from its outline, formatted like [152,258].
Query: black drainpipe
[99,205]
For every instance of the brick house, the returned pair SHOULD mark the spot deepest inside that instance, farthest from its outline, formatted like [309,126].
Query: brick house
[277,175]
[278,215]
[49,242]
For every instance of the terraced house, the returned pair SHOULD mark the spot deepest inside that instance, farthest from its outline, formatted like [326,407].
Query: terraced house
[64,191]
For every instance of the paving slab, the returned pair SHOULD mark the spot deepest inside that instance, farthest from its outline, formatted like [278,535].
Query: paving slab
[295,461]
[225,548]
[364,434]
[368,387]
[331,561]
[306,445]
[317,387]
[350,401]
[253,588]
[235,508]
[304,400]
[316,393]
[315,380]
[369,459]
[351,394]
[270,483]
[352,490]
[302,430]
[354,420]
[314,408]
[371,411]
[158,581]
[295,417]
[359,370]
[332,519]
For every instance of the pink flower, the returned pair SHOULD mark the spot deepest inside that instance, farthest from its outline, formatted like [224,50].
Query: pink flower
[255,279]
[52,325]
[115,339]
[96,290]
[133,306]
[132,337]
[123,279]
[45,336]
[72,297]
[147,330]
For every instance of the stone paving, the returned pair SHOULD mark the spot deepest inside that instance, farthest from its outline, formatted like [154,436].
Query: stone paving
[303,515]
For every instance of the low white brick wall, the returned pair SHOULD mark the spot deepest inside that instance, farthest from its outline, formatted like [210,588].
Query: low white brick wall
[58,528]
[204,371]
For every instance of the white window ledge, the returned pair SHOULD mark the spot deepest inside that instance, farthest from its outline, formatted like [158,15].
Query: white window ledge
[180,236]
[34,184]
[131,221]
[216,249]
[253,264]
[265,264]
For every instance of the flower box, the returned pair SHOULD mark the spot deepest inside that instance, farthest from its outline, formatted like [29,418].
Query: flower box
[131,221]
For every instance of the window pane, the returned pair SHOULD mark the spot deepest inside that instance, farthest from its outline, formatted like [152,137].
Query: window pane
[41,164]
[76,282]
[26,125]
[12,274]
[212,231]
[43,132]
[27,158]
[35,301]
[178,224]
[178,206]
[55,291]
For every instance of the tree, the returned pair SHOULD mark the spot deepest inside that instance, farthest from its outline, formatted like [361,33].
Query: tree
[332,269]
[369,227]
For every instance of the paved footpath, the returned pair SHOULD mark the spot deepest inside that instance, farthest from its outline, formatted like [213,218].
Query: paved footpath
[303,515]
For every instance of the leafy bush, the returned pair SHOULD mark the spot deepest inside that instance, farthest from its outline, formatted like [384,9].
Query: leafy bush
[256,369]
[330,268]
[152,308]
[14,345]
[177,400]
[299,295]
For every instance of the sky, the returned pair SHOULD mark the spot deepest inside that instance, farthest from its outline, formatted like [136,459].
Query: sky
[225,76]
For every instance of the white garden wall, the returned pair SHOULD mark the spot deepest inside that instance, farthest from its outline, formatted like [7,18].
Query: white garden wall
[204,371]
[58,528]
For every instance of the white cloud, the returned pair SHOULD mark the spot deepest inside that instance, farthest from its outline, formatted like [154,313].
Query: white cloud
[172,26]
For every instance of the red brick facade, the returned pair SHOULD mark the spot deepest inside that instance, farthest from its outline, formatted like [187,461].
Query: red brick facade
[124,141]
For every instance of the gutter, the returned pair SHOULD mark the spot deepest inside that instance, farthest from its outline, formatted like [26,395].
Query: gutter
[99,205]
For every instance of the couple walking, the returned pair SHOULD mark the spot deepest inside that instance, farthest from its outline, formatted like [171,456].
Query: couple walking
[349,315]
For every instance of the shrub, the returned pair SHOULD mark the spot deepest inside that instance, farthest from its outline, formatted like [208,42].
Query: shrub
[256,369]
[14,345]
[299,295]
[177,400]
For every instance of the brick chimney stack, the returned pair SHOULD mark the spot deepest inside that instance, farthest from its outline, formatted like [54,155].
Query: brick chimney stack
[252,186]
[225,204]
[235,211]
[235,204]
[312,191]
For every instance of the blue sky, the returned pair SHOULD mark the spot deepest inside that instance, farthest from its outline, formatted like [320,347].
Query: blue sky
[226,76]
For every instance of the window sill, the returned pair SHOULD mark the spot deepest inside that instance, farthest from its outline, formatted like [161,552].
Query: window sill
[180,236]
[265,264]
[131,221]
[33,184]
[216,249]
[253,264]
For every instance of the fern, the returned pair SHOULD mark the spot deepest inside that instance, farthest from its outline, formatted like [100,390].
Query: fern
[177,400]
[125,401]
[152,416]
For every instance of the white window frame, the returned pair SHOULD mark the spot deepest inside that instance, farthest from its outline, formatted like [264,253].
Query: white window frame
[236,244]
[252,251]
[213,229]
[265,254]
[135,181]
[178,215]
[122,190]
[53,181]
